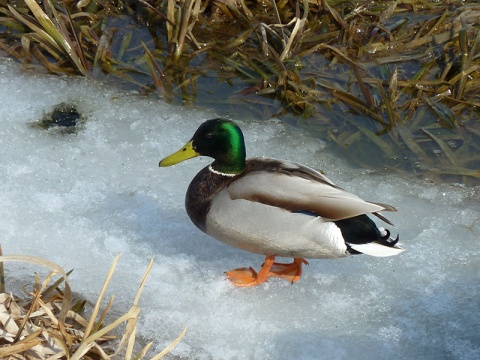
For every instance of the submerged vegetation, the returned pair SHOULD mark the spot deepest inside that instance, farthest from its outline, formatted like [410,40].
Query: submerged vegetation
[393,84]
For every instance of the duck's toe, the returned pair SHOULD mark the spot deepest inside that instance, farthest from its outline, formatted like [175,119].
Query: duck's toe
[246,277]
[290,272]
[243,277]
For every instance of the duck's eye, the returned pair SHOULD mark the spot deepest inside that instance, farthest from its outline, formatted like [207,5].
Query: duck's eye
[209,135]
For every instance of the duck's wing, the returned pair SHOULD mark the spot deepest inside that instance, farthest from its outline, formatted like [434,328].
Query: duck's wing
[298,188]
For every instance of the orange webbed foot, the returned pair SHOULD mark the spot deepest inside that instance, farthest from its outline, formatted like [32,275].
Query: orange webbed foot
[243,277]
[290,272]
[247,277]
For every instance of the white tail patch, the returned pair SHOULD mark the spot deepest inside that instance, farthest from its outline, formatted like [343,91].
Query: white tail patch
[376,249]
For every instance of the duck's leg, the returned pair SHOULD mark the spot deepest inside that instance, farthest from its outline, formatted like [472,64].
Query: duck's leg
[249,277]
[291,272]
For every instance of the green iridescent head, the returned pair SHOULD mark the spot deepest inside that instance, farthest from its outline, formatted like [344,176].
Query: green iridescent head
[219,139]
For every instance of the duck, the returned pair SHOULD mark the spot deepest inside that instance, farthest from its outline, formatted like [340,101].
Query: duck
[275,208]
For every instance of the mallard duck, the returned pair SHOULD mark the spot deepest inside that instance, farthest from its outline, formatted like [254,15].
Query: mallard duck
[275,207]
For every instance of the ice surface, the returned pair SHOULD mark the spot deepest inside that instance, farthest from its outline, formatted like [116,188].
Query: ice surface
[80,199]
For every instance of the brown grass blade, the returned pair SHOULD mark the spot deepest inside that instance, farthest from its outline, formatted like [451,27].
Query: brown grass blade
[445,116]
[388,107]
[96,308]
[55,286]
[186,11]
[129,334]
[40,32]
[411,143]
[359,105]
[90,340]
[171,346]
[59,38]
[144,351]
[462,40]
[98,324]
[52,266]
[443,146]
[366,93]
[335,15]
[154,68]
[18,348]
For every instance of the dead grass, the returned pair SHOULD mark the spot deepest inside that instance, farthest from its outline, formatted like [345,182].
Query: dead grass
[44,324]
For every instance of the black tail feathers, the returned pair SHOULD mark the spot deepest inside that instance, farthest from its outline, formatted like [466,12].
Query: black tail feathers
[387,240]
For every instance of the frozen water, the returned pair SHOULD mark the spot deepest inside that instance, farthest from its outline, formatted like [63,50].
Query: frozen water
[79,199]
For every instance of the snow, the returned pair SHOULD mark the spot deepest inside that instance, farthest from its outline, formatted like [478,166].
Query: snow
[79,199]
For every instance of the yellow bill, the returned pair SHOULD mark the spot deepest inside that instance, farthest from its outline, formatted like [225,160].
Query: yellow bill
[185,153]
